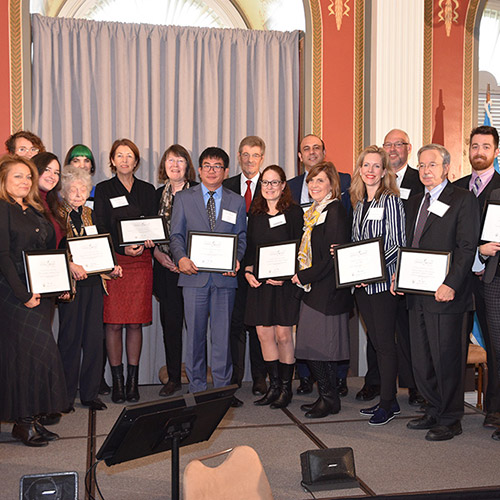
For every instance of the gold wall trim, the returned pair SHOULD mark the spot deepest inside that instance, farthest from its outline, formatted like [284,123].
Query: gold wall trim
[359,66]
[317,67]
[427,84]
[16,64]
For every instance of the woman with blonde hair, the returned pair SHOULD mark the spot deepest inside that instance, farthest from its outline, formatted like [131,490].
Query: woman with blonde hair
[379,212]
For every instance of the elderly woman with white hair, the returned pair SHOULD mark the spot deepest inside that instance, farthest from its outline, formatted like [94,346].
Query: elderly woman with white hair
[80,320]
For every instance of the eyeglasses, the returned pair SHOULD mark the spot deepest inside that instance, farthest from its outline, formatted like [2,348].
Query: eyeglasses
[176,161]
[215,168]
[24,149]
[247,156]
[397,145]
[430,165]
[271,183]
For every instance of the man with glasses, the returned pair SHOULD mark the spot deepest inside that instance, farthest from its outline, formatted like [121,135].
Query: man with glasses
[24,143]
[207,207]
[250,158]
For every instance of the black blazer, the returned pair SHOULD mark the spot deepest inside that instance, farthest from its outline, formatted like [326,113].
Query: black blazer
[411,181]
[234,184]
[485,193]
[324,296]
[457,231]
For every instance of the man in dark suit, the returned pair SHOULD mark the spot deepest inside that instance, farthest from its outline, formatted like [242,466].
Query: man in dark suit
[207,207]
[250,158]
[398,147]
[443,218]
[483,148]
[311,152]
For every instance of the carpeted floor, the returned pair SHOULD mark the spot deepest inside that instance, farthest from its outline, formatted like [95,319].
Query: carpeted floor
[389,459]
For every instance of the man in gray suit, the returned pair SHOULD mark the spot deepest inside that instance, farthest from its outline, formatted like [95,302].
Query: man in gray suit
[207,207]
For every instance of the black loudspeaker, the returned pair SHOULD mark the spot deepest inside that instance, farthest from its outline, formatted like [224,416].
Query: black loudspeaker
[55,486]
[328,469]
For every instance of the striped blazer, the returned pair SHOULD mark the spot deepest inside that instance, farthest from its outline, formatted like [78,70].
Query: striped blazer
[391,227]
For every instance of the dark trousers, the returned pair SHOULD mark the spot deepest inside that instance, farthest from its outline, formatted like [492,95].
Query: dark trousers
[379,314]
[172,321]
[438,349]
[81,332]
[238,338]
[487,301]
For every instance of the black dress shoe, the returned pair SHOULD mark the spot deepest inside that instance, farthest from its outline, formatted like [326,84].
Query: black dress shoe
[45,433]
[259,387]
[95,404]
[415,398]
[305,386]
[104,388]
[50,419]
[444,432]
[25,431]
[425,422]
[368,392]
[496,435]
[236,403]
[492,420]
[169,388]
[342,388]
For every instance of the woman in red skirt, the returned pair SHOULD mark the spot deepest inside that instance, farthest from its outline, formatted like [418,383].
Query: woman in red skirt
[129,301]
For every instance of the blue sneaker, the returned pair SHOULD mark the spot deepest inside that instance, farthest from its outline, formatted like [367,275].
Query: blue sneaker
[368,412]
[381,417]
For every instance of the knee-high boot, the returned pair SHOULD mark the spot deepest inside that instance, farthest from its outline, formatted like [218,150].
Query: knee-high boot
[274,390]
[133,383]
[118,394]
[329,401]
[285,373]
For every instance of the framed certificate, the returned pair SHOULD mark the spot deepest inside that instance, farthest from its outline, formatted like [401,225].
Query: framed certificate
[421,271]
[47,272]
[213,252]
[137,230]
[491,222]
[276,261]
[94,253]
[360,262]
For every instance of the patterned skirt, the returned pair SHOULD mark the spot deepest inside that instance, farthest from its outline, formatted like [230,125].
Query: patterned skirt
[129,298]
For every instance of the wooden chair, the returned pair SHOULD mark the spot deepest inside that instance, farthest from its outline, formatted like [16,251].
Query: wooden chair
[241,476]
[477,356]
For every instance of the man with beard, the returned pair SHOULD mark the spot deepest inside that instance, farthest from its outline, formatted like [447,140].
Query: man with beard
[483,148]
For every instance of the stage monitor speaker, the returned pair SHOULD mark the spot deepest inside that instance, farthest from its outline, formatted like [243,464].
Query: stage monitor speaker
[328,469]
[55,486]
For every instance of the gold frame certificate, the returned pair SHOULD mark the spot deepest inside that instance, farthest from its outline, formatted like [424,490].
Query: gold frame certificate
[47,272]
[94,253]
[213,252]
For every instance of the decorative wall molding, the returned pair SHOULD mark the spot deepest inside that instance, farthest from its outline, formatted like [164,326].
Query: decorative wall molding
[16,65]
[448,14]
[317,67]
[359,77]
[427,70]
[339,9]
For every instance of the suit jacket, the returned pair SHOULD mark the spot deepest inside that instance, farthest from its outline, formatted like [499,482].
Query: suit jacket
[296,183]
[234,184]
[411,181]
[457,231]
[485,193]
[492,262]
[190,214]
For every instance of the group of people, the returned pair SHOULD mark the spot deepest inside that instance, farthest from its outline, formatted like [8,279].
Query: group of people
[419,339]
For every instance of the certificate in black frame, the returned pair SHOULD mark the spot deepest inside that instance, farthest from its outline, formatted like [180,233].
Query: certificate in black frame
[82,239]
[374,279]
[483,221]
[62,268]
[208,234]
[258,260]
[401,252]
[126,243]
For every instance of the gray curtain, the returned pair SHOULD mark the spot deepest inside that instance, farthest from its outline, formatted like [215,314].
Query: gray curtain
[94,82]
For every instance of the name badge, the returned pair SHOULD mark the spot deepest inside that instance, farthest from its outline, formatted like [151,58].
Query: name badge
[277,220]
[321,218]
[90,230]
[228,216]
[404,193]
[376,213]
[119,201]
[439,208]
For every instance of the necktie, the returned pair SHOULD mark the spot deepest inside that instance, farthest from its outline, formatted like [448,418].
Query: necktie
[248,196]
[422,218]
[211,210]
[476,186]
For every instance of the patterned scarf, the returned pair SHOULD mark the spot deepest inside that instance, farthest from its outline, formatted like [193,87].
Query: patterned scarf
[311,217]
[165,210]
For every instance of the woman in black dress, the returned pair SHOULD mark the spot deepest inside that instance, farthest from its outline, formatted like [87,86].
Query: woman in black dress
[272,306]
[129,302]
[31,373]
[323,329]
[176,172]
